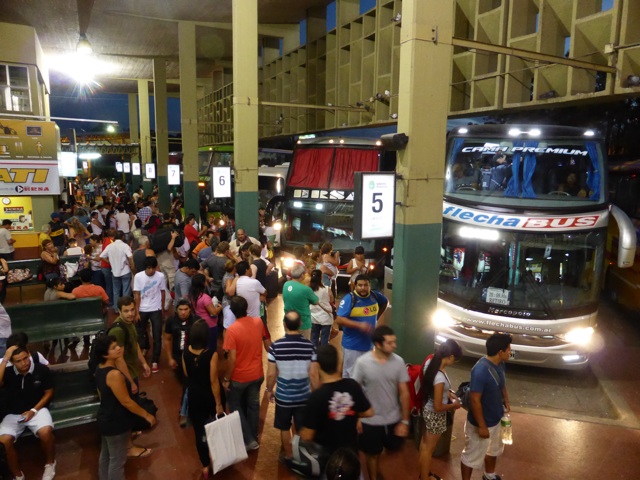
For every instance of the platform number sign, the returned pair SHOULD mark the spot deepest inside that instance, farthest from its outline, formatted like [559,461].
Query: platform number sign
[135,168]
[126,167]
[221,182]
[173,174]
[150,171]
[375,202]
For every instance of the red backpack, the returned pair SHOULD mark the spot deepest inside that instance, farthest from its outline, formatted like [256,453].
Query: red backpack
[416,373]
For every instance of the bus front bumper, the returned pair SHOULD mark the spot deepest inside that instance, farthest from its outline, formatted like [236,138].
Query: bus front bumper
[565,356]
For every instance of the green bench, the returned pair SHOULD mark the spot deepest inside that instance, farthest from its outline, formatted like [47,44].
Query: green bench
[44,321]
[33,264]
[75,400]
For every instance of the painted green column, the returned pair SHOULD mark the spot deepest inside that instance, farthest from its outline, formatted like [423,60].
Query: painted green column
[162,134]
[189,116]
[425,72]
[245,113]
[145,133]
[134,137]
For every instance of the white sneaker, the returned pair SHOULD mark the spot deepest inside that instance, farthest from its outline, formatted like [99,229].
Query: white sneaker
[49,471]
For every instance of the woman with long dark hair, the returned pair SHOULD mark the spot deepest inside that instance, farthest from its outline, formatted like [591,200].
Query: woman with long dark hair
[322,313]
[205,307]
[200,365]
[115,416]
[438,399]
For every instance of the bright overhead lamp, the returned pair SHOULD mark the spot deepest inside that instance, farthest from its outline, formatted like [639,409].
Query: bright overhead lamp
[111,129]
[84,46]
[89,156]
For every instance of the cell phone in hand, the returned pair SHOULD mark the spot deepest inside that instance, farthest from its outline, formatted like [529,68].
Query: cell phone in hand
[22,419]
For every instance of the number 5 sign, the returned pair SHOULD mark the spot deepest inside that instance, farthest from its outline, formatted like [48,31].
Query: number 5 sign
[221,182]
[375,204]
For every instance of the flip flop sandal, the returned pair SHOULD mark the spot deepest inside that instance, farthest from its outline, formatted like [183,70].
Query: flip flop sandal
[144,453]
[437,477]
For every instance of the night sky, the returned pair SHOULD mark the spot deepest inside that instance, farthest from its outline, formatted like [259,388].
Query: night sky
[104,106]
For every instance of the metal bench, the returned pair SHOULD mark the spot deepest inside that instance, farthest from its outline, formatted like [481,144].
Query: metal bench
[44,321]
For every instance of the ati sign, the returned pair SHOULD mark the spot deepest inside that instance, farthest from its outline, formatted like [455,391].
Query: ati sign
[29,180]
[525,222]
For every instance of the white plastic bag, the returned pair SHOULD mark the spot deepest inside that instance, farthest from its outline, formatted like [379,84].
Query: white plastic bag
[226,445]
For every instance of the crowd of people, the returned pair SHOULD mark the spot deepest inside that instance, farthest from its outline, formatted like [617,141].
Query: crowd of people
[199,290]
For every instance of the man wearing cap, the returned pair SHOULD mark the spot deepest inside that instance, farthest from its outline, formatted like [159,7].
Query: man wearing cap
[57,232]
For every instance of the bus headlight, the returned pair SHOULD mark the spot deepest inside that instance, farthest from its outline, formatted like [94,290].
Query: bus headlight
[581,336]
[277,226]
[287,262]
[442,319]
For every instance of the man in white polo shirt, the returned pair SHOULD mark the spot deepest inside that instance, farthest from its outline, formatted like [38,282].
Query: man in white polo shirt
[120,258]
[249,288]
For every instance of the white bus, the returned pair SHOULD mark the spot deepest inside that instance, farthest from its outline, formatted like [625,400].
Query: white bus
[525,218]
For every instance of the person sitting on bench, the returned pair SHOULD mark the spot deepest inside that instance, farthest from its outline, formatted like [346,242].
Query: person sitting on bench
[29,389]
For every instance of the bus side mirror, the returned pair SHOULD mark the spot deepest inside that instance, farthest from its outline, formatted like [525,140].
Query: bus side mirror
[627,238]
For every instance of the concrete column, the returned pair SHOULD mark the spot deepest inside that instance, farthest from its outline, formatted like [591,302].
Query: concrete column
[189,116]
[134,136]
[245,113]
[162,134]
[145,132]
[425,73]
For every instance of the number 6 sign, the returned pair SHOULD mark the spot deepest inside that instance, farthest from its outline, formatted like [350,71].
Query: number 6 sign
[375,202]
[221,182]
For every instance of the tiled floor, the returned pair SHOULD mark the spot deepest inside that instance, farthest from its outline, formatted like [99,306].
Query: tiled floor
[544,447]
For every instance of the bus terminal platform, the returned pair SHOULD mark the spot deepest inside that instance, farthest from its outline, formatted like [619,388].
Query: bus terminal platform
[561,440]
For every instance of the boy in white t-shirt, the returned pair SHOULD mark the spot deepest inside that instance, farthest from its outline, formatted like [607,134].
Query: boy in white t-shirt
[149,293]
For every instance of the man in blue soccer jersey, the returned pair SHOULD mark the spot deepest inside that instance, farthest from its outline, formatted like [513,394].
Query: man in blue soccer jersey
[358,314]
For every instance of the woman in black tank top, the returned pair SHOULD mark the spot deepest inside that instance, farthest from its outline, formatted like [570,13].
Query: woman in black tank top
[116,411]
[200,366]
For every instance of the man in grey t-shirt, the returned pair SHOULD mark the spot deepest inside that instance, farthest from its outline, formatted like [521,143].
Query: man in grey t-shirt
[215,264]
[183,280]
[384,378]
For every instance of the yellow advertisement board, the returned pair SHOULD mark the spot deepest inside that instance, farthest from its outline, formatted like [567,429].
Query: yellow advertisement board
[28,140]
[19,210]
[29,157]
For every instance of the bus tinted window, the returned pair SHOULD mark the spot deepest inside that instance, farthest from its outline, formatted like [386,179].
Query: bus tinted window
[501,171]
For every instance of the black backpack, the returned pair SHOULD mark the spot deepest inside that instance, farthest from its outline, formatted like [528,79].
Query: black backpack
[94,361]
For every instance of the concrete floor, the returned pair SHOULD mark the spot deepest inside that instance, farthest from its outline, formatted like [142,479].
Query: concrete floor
[552,439]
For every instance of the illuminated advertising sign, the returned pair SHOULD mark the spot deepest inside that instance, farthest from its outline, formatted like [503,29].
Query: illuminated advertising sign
[542,223]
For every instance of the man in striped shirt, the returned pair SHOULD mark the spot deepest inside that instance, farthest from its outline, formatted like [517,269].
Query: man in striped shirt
[293,370]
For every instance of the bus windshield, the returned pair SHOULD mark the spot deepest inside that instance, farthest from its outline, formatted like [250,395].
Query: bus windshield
[317,221]
[536,173]
[536,275]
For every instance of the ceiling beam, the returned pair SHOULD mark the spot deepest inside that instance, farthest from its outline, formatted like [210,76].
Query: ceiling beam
[279,30]
[529,55]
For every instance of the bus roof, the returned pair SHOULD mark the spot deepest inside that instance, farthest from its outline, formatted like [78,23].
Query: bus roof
[339,141]
[506,130]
